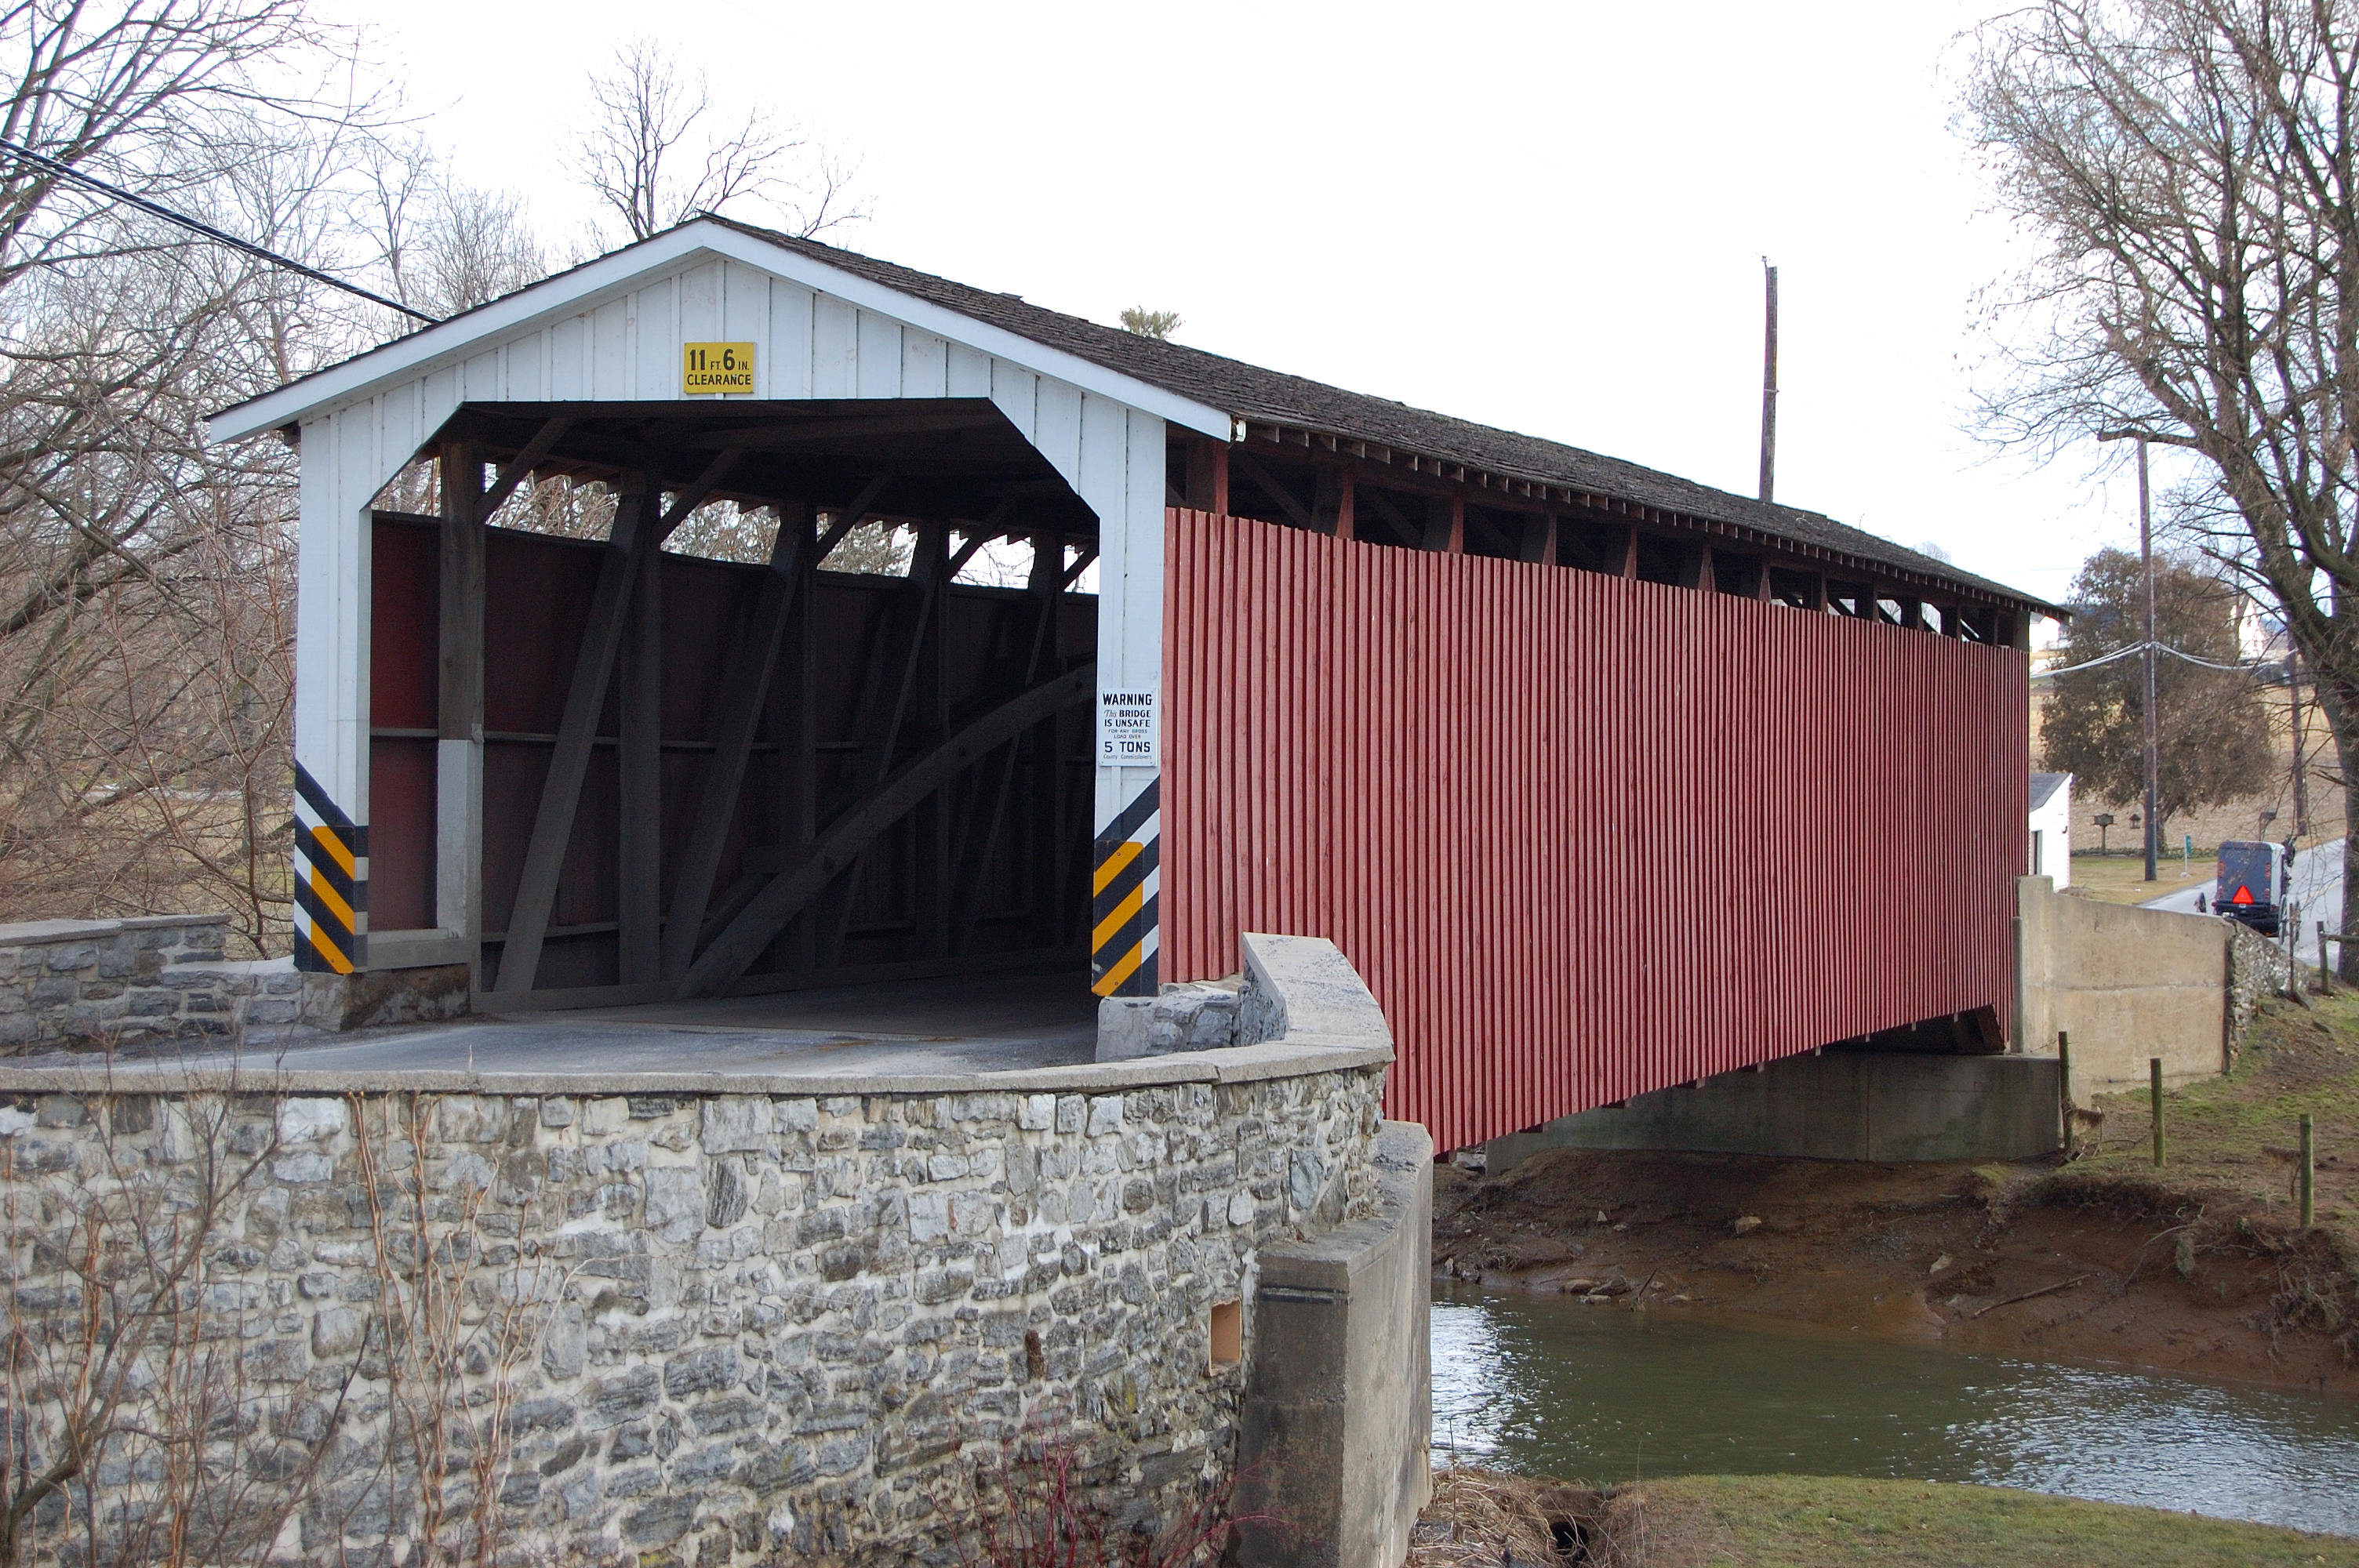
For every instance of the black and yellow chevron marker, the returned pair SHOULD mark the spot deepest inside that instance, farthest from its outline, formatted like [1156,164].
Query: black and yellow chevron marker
[331,882]
[1124,938]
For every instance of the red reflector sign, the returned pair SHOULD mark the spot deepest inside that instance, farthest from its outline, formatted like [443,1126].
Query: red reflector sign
[2243,895]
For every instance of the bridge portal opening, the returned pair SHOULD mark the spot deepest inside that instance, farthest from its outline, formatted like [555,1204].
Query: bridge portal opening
[676,703]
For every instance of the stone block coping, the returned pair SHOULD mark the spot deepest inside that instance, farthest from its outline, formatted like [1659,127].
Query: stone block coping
[1287,1058]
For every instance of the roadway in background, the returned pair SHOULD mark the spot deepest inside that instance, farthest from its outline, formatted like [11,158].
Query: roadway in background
[2316,886]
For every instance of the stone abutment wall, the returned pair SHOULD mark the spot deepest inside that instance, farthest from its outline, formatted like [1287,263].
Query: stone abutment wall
[624,1321]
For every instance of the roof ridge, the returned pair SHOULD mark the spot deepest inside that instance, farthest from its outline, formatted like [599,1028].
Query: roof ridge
[1223,381]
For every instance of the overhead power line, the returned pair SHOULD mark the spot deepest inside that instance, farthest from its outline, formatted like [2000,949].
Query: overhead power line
[2140,648]
[67,171]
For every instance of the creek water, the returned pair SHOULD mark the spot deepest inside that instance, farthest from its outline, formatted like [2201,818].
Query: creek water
[1548,1386]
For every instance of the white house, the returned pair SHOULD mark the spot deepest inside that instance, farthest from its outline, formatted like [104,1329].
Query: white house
[2051,827]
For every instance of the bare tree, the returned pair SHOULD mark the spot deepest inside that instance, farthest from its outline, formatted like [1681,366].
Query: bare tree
[444,246]
[658,153]
[145,577]
[130,92]
[2188,171]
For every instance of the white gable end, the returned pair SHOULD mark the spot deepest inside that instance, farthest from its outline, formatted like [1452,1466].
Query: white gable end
[613,332]
[610,331]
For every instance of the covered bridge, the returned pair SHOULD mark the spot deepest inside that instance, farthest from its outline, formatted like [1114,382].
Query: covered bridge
[1605,781]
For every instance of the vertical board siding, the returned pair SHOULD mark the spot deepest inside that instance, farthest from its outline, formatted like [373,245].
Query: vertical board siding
[1584,838]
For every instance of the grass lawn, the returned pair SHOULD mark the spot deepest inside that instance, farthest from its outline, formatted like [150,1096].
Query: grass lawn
[2220,1133]
[1807,1521]
[2120,878]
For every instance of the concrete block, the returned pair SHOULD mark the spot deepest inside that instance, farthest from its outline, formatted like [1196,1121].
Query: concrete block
[374,998]
[1125,1024]
[1338,1413]
[1311,988]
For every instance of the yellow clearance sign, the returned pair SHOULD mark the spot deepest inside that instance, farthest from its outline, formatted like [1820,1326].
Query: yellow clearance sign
[709,368]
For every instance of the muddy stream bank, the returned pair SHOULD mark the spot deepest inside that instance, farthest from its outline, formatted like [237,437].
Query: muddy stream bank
[2037,1262]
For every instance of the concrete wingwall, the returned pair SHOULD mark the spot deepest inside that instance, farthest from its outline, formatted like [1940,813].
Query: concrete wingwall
[1841,1105]
[1339,1408]
[2126,984]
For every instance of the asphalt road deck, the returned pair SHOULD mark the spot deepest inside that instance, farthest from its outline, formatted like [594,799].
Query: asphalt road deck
[964,1025]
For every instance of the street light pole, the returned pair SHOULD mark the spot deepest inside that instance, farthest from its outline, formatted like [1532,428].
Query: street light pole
[2146,564]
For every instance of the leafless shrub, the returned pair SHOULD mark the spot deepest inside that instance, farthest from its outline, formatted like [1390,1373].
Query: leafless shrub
[460,1312]
[154,1409]
[134,1429]
[1031,1502]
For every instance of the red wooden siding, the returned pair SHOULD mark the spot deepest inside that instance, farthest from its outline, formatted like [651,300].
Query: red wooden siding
[1584,837]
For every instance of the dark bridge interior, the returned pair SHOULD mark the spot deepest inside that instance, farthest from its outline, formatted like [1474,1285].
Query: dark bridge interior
[703,777]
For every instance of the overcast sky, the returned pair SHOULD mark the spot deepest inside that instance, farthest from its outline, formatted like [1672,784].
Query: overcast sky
[1549,217]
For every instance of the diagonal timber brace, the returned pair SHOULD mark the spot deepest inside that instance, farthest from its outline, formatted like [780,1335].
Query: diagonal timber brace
[747,686]
[838,848]
[636,538]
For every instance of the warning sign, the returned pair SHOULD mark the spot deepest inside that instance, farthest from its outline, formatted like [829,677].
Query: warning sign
[709,368]
[1128,736]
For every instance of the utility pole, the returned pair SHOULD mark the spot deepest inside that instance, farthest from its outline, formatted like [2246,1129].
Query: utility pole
[1770,385]
[2146,564]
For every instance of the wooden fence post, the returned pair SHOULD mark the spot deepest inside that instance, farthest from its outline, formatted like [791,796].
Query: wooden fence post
[2064,1086]
[2309,1173]
[2154,1080]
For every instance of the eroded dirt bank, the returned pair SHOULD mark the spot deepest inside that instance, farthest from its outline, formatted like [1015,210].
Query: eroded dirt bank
[2199,1268]
[2133,1273]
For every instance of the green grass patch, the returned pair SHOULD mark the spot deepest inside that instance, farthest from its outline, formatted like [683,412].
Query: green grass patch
[2232,1138]
[1808,1521]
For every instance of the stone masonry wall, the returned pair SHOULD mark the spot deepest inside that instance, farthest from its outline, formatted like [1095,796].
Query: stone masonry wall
[761,1326]
[2257,968]
[87,984]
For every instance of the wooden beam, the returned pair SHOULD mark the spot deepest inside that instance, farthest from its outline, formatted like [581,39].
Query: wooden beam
[916,615]
[459,709]
[1540,539]
[1698,573]
[1571,548]
[842,520]
[826,432]
[633,539]
[1382,505]
[967,553]
[1197,491]
[1327,502]
[639,766]
[1080,564]
[1346,507]
[1251,467]
[987,804]
[1761,580]
[839,849]
[797,816]
[1445,524]
[513,472]
[699,490]
[746,689]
